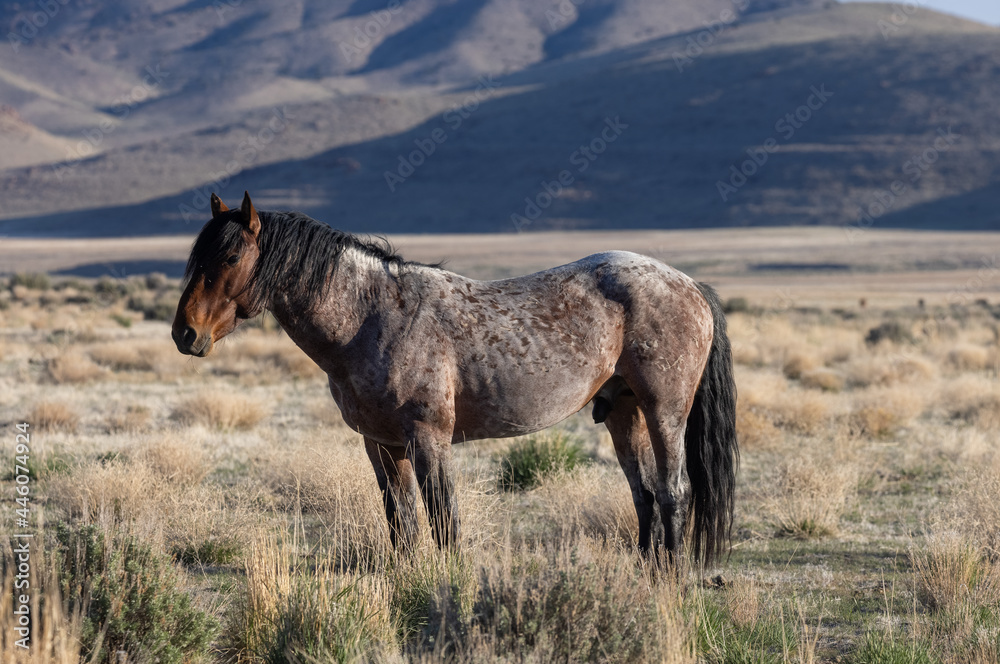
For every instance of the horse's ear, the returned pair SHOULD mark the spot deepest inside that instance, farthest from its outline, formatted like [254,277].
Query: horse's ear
[250,218]
[218,207]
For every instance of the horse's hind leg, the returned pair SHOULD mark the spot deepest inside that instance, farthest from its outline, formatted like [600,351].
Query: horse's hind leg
[673,489]
[432,462]
[399,492]
[628,431]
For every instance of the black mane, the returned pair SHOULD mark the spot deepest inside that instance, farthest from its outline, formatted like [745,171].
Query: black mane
[297,252]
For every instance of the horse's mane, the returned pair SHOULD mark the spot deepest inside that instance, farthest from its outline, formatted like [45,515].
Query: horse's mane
[297,253]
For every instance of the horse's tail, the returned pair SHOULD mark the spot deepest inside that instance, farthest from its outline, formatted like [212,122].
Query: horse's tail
[710,444]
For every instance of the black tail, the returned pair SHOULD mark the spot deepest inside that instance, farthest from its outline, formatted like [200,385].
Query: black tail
[710,444]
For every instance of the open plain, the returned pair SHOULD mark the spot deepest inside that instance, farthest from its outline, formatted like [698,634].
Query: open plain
[228,494]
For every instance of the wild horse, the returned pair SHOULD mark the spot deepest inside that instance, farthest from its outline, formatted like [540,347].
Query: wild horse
[420,358]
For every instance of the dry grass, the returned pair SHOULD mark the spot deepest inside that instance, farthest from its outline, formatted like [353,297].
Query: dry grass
[953,571]
[290,602]
[53,416]
[133,420]
[799,364]
[73,368]
[55,628]
[123,357]
[801,412]
[828,380]
[810,494]
[969,357]
[888,370]
[335,483]
[974,400]
[754,430]
[267,357]
[220,410]
[112,490]
[743,602]
[176,460]
[979,505]
[593,500]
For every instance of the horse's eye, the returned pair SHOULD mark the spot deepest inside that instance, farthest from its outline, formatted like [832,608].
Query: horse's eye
[234,259]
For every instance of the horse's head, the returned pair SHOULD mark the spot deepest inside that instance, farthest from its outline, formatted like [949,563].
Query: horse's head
[219,273]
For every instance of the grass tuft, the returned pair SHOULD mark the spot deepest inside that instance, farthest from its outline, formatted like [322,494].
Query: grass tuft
[530,459]
[53,416]
[220,411]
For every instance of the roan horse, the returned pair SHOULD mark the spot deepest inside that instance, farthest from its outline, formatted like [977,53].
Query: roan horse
[420,358]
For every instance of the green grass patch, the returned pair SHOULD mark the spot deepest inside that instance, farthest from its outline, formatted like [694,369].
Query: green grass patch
[530,459]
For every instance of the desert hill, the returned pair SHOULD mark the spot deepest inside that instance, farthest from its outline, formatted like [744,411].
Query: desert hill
[321,107]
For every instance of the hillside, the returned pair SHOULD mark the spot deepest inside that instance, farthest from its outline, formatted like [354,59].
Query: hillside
[296,102]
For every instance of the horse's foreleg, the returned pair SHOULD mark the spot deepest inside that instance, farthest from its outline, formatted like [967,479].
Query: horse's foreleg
[432,461]
[399,492]
[628,431]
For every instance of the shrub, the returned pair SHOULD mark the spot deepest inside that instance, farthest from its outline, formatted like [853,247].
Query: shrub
[122,319]
[799,364]
[967,357]
[175,461]
[152,309]
[579,606]
[73,368]
[875,421]
[132,598]
[156,281]
[811,496]
[824,379]
[754,430]
[736,305]
[530,459]
[53,416]
[209,552]
[34,281]
[110,287]
[307,611]
[951,571]
[123,357]
[893,331]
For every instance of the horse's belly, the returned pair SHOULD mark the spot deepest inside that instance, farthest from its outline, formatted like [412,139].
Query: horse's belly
[524,404]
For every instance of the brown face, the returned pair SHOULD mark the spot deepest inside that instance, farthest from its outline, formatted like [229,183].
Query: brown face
[216,300]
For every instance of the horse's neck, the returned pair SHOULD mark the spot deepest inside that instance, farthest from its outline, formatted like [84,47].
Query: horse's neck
[324,325]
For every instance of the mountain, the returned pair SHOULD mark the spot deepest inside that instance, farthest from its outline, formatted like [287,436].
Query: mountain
[496,115]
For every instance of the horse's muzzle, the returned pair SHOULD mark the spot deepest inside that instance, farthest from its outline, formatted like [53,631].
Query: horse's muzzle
[190,342]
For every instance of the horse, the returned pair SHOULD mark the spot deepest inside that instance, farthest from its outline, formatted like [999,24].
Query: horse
[420,358]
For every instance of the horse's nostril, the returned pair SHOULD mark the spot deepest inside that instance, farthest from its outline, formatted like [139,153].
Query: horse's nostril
[189,336]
